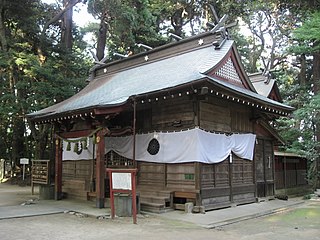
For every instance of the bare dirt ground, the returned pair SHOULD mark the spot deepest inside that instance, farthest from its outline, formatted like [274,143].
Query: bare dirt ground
[301,223]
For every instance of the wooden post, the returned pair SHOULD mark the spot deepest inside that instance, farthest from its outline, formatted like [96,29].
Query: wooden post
[197,179]
[231,177]
[58,170]
[134,196]
[100,169]
[134,133]
[285,174]
[265,186]
[273,162]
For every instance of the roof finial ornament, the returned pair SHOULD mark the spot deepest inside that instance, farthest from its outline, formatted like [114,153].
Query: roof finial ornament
[174,36]
[120,55]
[146,47]
[98,63]
[220,28]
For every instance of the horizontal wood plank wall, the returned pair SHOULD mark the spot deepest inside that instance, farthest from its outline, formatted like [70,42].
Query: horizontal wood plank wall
[151,175]
[173,114]
[80,169]
[181,176]
[215,117]
[76,178]
[226,116]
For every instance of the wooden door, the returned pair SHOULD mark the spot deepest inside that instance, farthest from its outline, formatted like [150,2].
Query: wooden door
[264,167]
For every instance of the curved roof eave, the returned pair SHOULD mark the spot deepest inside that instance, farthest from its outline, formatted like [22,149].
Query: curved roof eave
[247,93]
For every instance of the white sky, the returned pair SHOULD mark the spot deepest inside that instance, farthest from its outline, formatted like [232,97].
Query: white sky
[80,15]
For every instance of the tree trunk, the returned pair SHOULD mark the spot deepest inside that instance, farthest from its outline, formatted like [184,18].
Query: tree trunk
[66,31]
[316,72]
[3,39]
[102,38]
[303,70]
[40,136]
[316,87]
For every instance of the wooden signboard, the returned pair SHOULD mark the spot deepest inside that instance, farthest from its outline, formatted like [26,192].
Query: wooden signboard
[123,181]
[40,173]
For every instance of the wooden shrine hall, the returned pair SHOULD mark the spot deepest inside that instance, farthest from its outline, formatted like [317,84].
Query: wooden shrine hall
[185,115]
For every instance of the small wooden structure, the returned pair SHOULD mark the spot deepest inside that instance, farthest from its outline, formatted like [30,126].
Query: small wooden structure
[39,173]
[290,169]
[195,86]
[291,174]
[123,181]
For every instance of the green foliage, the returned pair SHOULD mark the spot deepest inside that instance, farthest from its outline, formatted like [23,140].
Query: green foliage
[35,73]
[307,36]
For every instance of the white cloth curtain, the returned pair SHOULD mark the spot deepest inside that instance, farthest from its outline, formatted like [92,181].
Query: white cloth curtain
[86,154]
[193,145]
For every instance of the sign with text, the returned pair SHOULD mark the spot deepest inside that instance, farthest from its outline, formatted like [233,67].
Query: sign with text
[24,161]
[121,181]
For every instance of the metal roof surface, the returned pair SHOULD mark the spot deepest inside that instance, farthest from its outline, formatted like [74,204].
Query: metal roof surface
[262,84]
[112,89]
[250,94]
[115,89]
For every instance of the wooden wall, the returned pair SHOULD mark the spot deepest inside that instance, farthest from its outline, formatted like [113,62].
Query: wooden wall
[173,114]
[264,167]
[211,185]
[162,176]
[220,184]
[225,116]
[225,183]
[76,178]
[295,174]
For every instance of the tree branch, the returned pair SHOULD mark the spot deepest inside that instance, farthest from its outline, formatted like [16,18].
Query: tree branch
[58,16]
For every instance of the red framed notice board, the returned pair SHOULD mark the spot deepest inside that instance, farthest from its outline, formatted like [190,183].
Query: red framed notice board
[123,181]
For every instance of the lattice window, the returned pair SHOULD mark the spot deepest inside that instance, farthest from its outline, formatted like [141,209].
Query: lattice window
[229,72]
[114,160]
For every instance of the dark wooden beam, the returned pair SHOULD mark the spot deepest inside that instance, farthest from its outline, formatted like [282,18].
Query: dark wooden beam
[108,110]
[76,134]
[100,168]
[58,170]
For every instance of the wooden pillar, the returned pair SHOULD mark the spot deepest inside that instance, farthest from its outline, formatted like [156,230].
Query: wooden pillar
[285,174]
[231,177]
[197,179]
[100,169]
[265,186]
[58,170]
[134,133]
